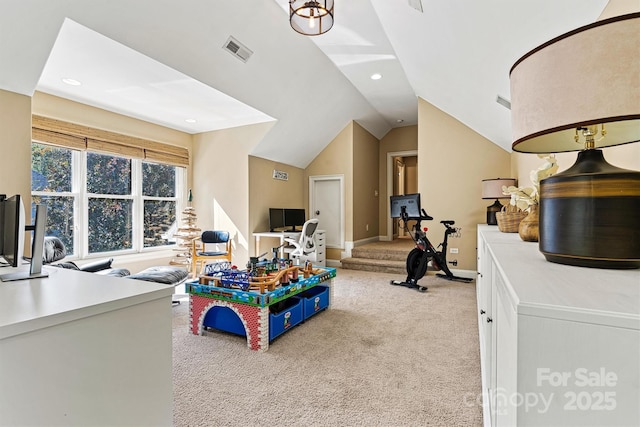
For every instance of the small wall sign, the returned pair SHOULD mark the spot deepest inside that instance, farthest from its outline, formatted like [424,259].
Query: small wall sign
[282,175]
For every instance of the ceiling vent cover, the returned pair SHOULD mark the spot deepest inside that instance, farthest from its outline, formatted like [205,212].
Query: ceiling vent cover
[503,101]
[237,49]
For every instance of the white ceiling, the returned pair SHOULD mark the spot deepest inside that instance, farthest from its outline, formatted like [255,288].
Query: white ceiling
[162,61]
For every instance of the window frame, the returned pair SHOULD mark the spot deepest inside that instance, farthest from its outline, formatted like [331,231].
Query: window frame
[81,203]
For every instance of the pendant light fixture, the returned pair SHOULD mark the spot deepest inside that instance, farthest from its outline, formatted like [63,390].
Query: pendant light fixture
[311,18]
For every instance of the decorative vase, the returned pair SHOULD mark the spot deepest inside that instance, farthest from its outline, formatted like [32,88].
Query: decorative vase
[528,228]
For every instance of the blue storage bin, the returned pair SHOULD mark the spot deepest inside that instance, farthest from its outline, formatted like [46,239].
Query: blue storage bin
[284,316]
[224,319]
[314,300]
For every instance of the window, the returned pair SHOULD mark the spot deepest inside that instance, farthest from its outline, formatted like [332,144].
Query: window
[121,205]
[51,184]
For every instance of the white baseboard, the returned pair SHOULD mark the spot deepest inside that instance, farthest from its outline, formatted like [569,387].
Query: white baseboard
[348,246]
[335,263]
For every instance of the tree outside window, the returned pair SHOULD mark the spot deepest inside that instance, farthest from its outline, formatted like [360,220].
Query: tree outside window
[109,196]
[51,185]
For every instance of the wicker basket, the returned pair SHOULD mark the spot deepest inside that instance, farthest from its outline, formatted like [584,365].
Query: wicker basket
[509,219]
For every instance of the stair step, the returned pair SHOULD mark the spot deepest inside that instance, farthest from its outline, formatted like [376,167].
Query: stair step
[377,265]
[371,253]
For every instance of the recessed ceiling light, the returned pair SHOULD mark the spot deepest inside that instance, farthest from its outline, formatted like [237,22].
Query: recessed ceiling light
[72,82]
[376,76]
[191,120]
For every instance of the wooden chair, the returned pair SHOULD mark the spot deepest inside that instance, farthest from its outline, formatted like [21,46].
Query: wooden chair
[210,246]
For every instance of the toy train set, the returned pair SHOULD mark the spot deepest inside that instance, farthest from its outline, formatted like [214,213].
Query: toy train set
[259,285]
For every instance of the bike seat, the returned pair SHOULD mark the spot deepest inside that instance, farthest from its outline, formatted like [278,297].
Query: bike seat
[448,222]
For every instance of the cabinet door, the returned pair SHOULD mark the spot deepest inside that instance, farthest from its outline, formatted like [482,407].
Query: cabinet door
[484,295]
[505,357]
[578,373]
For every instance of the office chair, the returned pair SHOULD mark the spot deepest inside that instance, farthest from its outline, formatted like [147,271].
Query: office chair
[201,253]
[305,247]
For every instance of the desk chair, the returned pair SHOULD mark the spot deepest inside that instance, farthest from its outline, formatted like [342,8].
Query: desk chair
[202,251]
[305,248]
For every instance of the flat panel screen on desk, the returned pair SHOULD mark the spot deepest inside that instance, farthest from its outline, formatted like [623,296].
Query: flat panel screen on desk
[276,218]
[294,218]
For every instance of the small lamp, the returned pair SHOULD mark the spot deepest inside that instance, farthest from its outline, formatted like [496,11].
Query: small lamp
[581,91]
[311,17]
[492,189]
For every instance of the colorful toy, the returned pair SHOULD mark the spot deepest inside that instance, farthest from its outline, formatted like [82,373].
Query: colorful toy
[252,297]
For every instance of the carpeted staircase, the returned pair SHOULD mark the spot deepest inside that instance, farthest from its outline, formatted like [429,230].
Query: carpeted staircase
[385,257]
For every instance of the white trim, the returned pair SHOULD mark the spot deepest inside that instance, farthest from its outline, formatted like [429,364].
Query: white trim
[390,156]
[335,263]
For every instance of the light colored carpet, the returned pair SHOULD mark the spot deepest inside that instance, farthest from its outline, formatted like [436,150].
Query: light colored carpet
[382,355]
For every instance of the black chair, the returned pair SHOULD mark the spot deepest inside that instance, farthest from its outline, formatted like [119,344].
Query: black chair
[210,246]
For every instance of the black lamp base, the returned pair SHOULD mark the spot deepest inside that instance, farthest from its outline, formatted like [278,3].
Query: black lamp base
[589,215]
[492,211]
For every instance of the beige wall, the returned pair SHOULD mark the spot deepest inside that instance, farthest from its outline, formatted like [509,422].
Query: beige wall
[396,140]
[266,192]
[619,7]
[15,145]
[365,184]
[221,191]
[336,159]
[452,162]
[64,109]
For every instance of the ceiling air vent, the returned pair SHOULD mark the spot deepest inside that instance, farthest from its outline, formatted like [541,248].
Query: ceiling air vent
[504,102]
[237,49]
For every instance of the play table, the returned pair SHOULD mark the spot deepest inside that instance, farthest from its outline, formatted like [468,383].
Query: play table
[259,314]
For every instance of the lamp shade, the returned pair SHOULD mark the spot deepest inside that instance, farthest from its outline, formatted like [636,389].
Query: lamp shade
[581,91]
[588,76]
[492,188]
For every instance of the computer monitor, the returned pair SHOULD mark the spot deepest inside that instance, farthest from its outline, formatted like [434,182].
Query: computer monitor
[11,226]
[12,229]
[276,218]
[410,203]
[294,218]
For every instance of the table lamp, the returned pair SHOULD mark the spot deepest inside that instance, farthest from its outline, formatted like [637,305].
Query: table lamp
[492,189]
[581,92]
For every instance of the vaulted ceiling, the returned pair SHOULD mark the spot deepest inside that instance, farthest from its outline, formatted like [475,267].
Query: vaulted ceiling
[164,62]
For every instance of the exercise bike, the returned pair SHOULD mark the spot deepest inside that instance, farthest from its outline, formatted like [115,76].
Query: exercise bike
[406,208]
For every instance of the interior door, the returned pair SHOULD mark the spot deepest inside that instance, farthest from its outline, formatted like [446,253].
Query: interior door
[326,204]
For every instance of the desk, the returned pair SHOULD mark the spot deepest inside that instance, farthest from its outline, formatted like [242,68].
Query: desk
[281,235]
[80,348]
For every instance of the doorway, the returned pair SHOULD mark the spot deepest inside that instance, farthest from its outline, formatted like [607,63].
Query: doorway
[326,202]
[402,178]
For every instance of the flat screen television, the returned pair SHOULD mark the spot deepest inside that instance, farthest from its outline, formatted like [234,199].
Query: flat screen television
[276,219]
[293,218]
[13,234]
[410,203]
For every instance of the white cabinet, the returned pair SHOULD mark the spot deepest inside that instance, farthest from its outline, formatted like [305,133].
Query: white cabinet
[559,345]
[85,349]
[321,249]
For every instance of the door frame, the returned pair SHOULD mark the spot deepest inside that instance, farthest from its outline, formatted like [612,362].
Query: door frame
[390,156]
[312,209]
